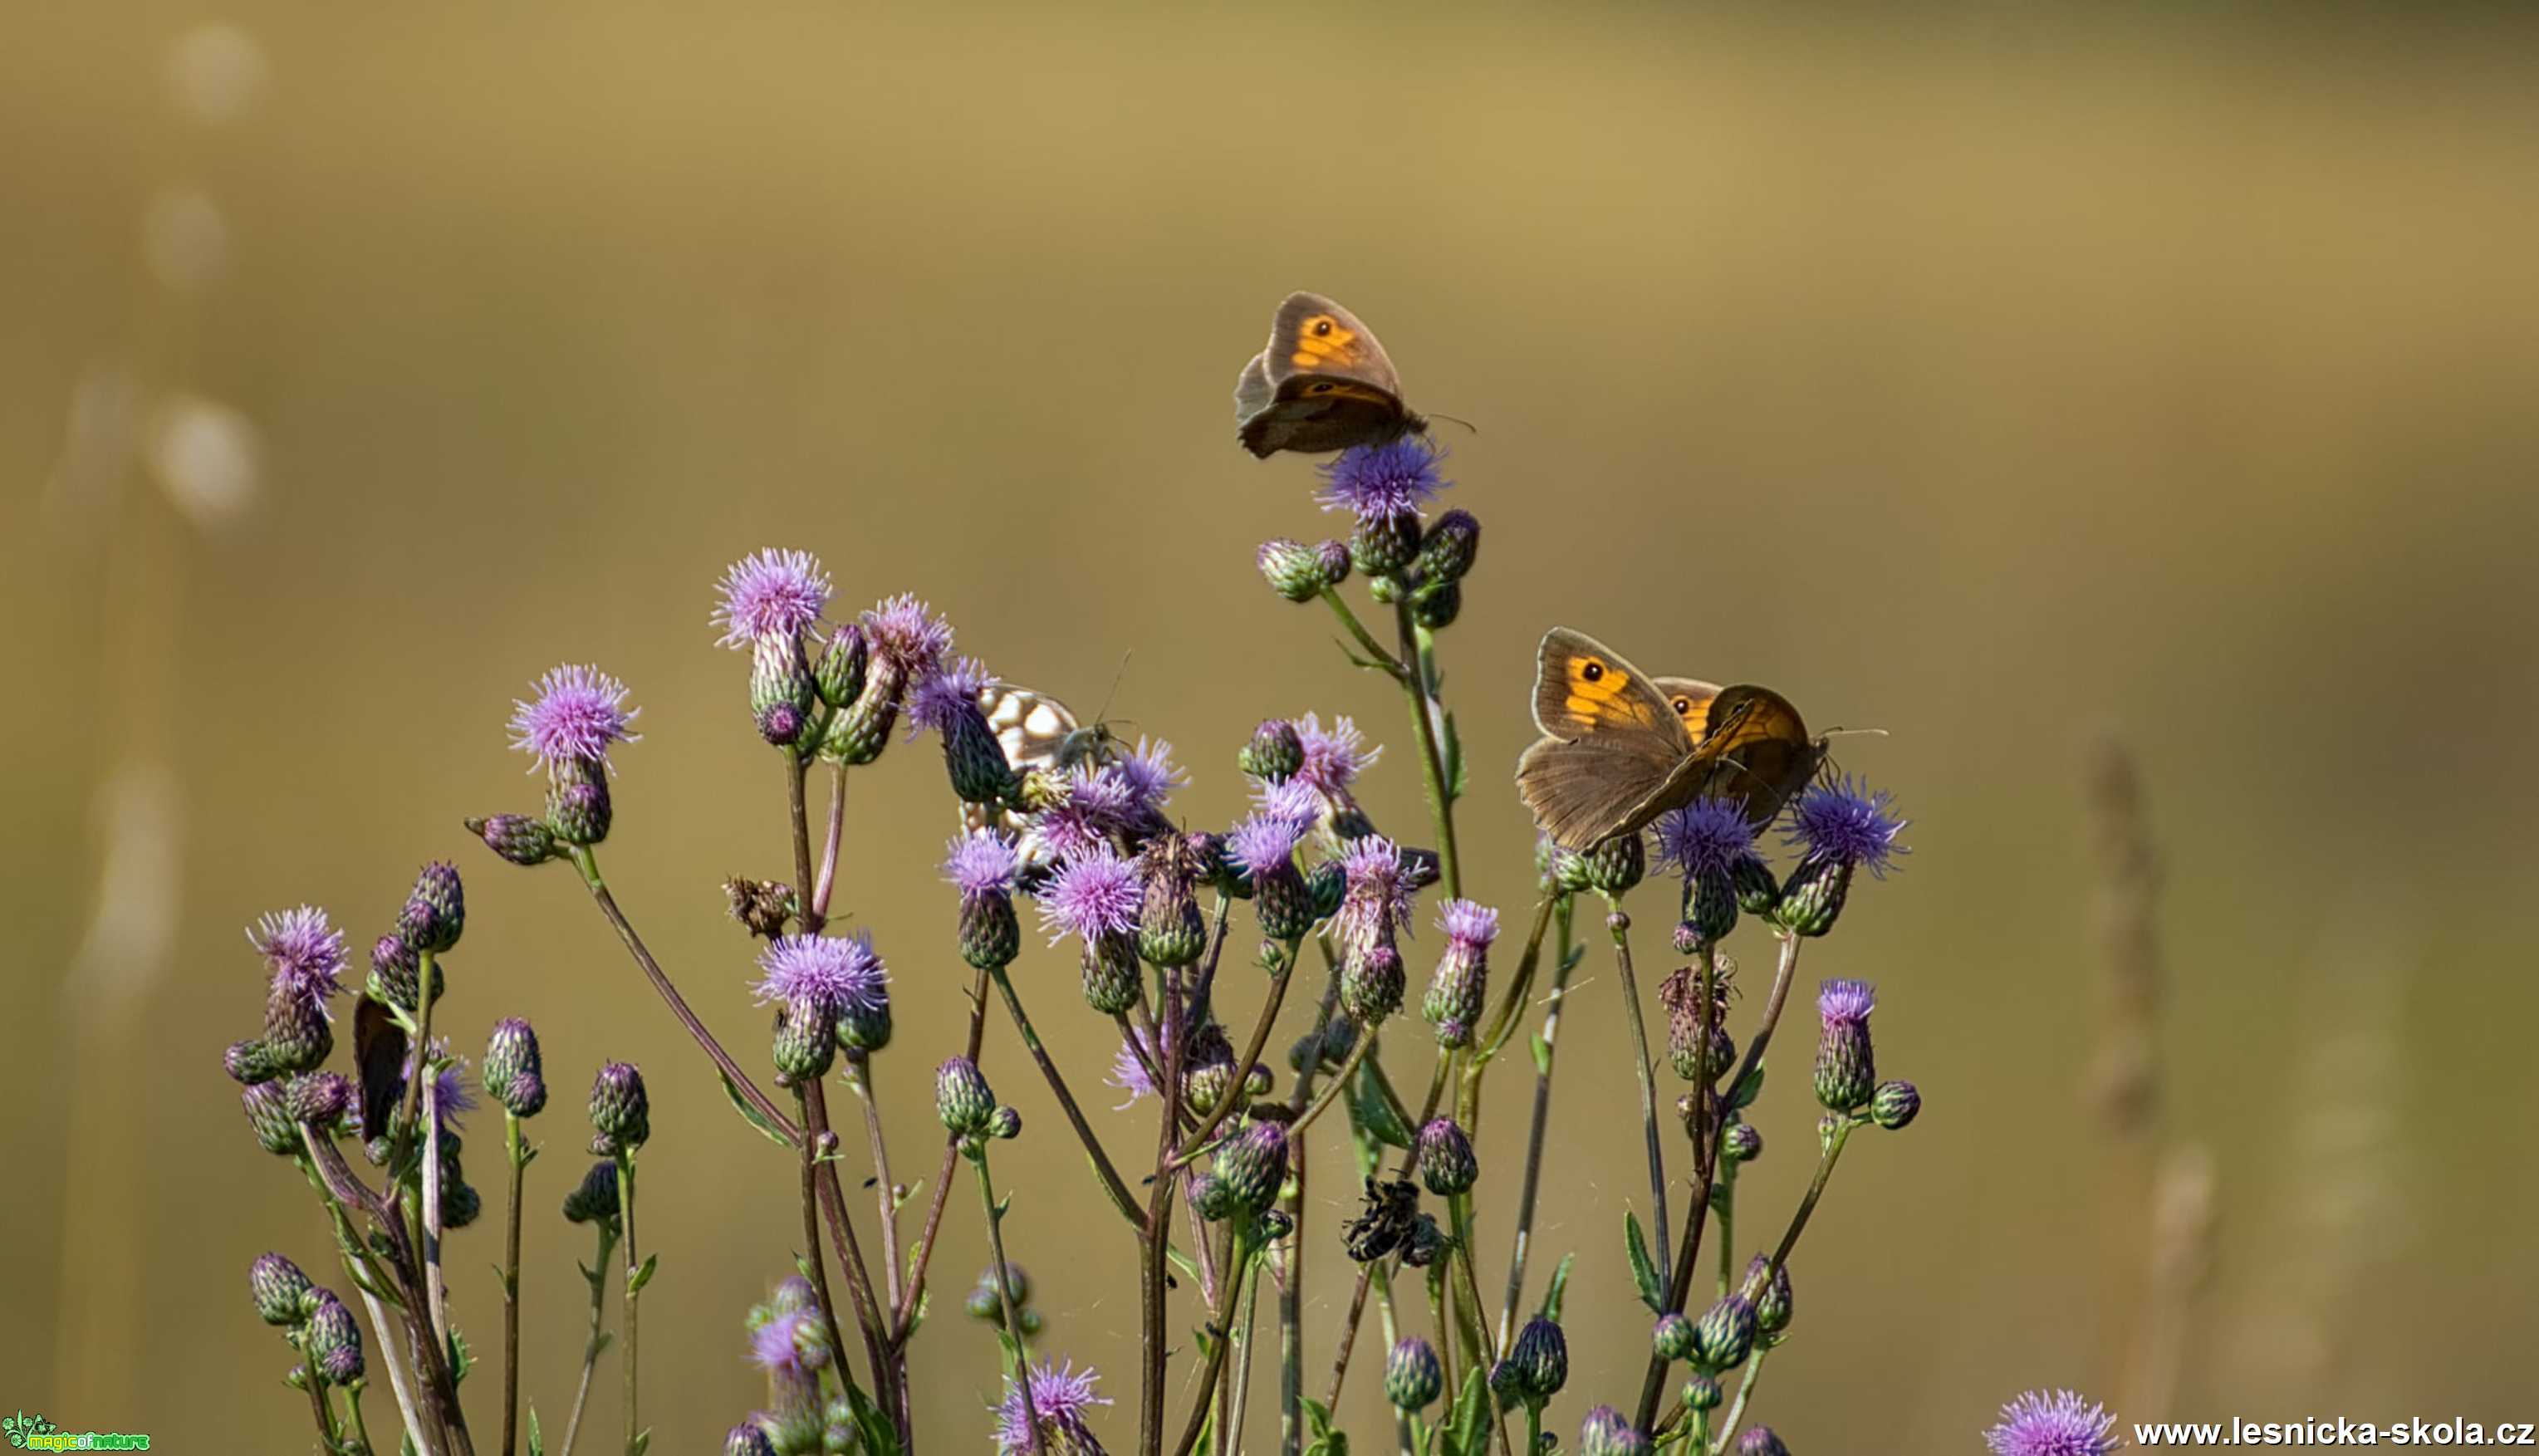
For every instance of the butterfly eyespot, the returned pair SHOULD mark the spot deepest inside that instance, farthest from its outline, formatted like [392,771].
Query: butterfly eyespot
[1322,327]
[1593,671]
[1683,707]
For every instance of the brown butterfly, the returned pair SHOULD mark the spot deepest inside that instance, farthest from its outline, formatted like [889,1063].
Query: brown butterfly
[1620,748]
[1323,383]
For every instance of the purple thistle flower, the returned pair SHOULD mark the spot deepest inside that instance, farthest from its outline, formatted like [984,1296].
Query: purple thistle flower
[578,712]
[1470,927]
[1093,803]
[1842,820]
[907,631]
[983,864]
[1707,835]
[1093,894]
[1377,902]
[781,591]
[1845,1003]
[1128,1070]
[835,972]
[1265,842]
[1382,480]
[1060,1395]
[775,1345]
[304,952]
[1292,800]
[449,1094]
[943,694]
[1151,773]
[2057,1424]
[1334,758]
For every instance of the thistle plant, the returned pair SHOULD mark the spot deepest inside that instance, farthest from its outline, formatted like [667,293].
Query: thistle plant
[1305,885]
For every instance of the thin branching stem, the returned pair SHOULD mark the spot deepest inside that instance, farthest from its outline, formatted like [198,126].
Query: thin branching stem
[1103,1169]
[1540,1128]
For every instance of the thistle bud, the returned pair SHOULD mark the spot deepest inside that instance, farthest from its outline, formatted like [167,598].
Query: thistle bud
[1758,892]
[1459,989]
[1813,898]
[297,1037]
[781,691]
[1275,1225]
[1615,865]
[319,1099]
[249,1063]
[1453,540]
[334,1342]
[1110,981]
[974,762]
[840,680]
[460,1203]
[514,1076]
[1326,1052]
[1758,1441]
[282,1295]
[1700,1392]
[620,1110]
[1681,994]
[1436,605]
[963,1098]
[579,807]
[1741,1143]
[1327,884]
[1292,569]
[1607,1432]
[1334,558]
[1671,1338]
[1846,1071]
[397,973]
[1413,1377]
[1770,1296]
[516,837]
[1445,1162]
[984,1306]
[806,1040]
[1371,984]
[1171,932]
[1282,900]
[268,1111]
[1253,1163]
[1895,1104]
[435,911]
[1725,1335]
[1207,1072]
[1004,1124]
[865,1024]
[990,938]
[1710,904]
[1384,545]
[1537,1363]
[747,1439]
[1274,753]
[862,729]
[1565,871]
[595,1196]
[1209,1197]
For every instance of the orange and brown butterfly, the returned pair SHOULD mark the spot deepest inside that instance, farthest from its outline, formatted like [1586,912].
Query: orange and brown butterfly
[1620,747]
[1323,383]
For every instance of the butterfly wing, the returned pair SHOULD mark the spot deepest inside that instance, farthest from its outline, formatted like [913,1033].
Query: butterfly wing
[1612,745]
[379,1055]
[1758,752]
[1034,729]
[1690,698]
[1323,383]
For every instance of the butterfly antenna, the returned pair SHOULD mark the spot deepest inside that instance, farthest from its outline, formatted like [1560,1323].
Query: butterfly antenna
[1871,732]
[1452,420]
[1120,672]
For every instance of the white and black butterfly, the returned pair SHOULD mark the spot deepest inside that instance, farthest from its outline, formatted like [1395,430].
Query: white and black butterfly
[1036,732]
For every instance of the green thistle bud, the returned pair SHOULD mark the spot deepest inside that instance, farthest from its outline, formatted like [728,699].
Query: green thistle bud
[1413,1376]
[990,936]
[1710,904]
[516,837]
[1813,898]
[460,1205]
[1758,1441]
[578,808]
[840,680]
[806,1040]
[1171,932]
[282,1295]
[781,691]
[1607,1432]
[1257,1085]
[1846,1070]
[1326,1052]
[319,1099]
[620,1110]
[1436,605]
[435,910]
[1252,1165]
[982,1304]
[334,1342]
[1701,1392]
[1275,1225]
[974,761]
[1445,1162]
[1019,1283]
[864,1025]
[515,1073]
[1671,1339]
[861,730]
[595,1196]
[1384,545]
[1004,1124]
[1895,1104]
[1327,883]
[1453,541]
[1372,983]
[962,1098]
[1109,963]
[1292,569]
[1769,1296]
[1335,559]
[249,1063]
[1209,1197]
[1537,1363]
[1207,1071]
[748,1439]
[395,973]
[1741,1143]
[1758,892]
[1724,1336]
[297,1037]
[1565,870]
[1283,901]
[1615,865]
[268,1111]
[1275,752]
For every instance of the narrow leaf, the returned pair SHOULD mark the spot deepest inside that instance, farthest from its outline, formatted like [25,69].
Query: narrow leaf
[635,1282]
[1469,1432]
[1644,1271]
[749,1114]
[1748,1090]
[537,1439]
[1541,1055]
[1559,1286]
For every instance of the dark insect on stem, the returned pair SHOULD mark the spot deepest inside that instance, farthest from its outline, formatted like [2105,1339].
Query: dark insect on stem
[1391,1218]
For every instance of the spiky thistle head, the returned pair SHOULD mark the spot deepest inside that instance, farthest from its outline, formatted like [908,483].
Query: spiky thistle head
[577,714]
[770,592]
[2057,1423]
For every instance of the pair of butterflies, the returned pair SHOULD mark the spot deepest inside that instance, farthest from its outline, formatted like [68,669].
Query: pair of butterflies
[1619,747]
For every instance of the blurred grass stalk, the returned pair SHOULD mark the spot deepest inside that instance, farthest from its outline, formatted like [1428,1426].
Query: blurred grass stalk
[2156,1238]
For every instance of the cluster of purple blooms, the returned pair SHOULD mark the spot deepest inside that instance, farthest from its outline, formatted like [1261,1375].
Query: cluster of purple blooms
[1086,830]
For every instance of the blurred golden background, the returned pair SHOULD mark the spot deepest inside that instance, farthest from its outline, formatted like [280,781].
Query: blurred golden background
[2003,376]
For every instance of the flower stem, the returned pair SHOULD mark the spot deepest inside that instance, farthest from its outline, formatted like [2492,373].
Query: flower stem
[1418,682]
[811,1251]
[903,1321]
[1737,1408]
[633,1295]
[1620,925]
[520,1162]
[886,1190]
[1197,1142]
[1084,1133]
[1540,1128]
[1238,1252]
[1013,1317]
[1705,1149]
[361,1440]
[329,1439]
[851,1254]
[598,1339]
[1238,1382]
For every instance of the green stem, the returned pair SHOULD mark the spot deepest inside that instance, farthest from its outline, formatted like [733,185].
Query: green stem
[1539,1129]
[633,1296]
[811,1250]
[1418,683]
[1620,925]
[511,1286]
[1376,653]
[1196,1142]
[329,1438]
[1737,1407]
[598,1339]
[1013,1317]
[1238,1257]
[353,1416]
[1238,1380]
[1723,1203]
[1112,1183]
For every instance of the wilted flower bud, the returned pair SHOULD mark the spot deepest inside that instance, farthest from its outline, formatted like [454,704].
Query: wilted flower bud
[1384,545]
[963,1098]
[762,906]
[1846,1065]
[806,1040]
[1445,1162]
[840,678]
[579,807]
[1292,569]
[1459,989]
[268,1111]
[249,1063]
[1741,1143]
[619,1110]
[516,837]
[1895,1104]
[1413,1376]
[513,1073]
[595,1196]
[1681,994]
[1615,865]
[1004,1124]
[1537,1364]
[1769,1296]
[1700,1392]
[1111,980]
[1274,753]
[334,1341]
[1758,1441]
[1606,1432]
[1671,1339]
[318,1098]
[781,687]
[282,1295]
[1453,540]
[435,910]
[1723,1334]
[1252,1165]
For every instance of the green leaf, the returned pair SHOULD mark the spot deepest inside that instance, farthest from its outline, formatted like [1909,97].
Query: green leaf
[405,1446]
[642,1442]
[1644,1271]
[1376,1114]
[1541,1055]
[880,1437]
[1452,752]
[1576,954]
[1747,1090]
[1467,1431]
[462,1358]
[1318,1417]
[537,1439]
[1559,1286]
[635,1282]
[749,1114]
